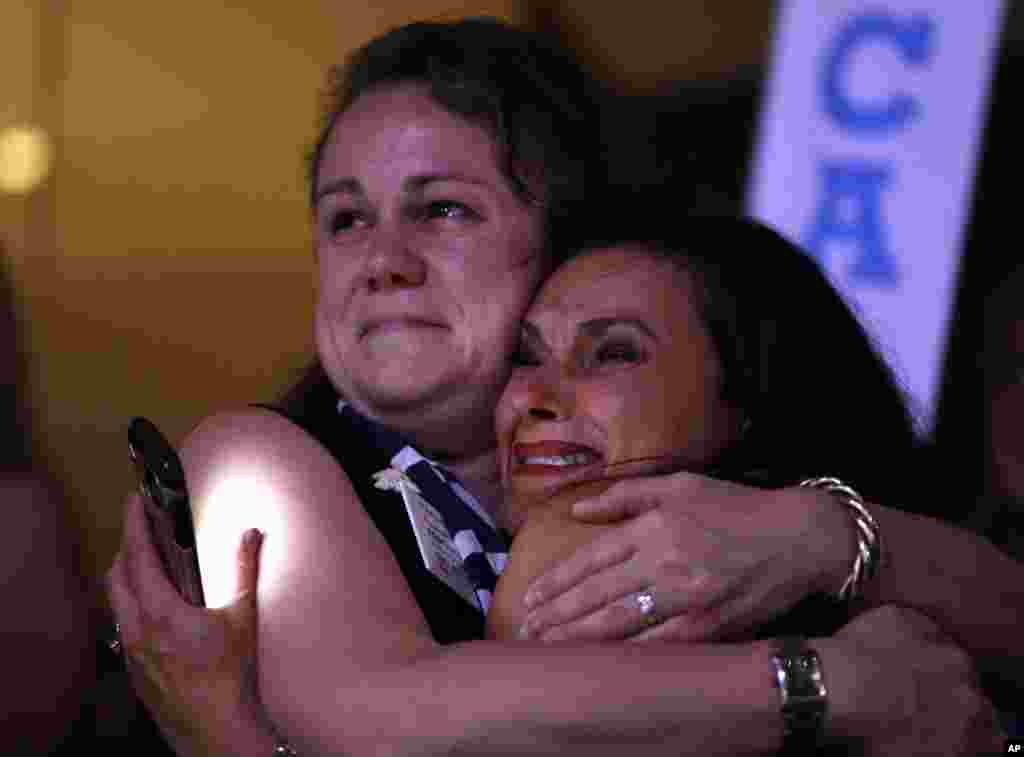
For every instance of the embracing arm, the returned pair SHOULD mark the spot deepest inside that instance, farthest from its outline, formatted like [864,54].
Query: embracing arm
[724,558]
[488,698]
[967,585]
[972,589]
[347,663]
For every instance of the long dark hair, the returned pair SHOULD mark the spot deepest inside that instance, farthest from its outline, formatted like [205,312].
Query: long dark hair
[817,396]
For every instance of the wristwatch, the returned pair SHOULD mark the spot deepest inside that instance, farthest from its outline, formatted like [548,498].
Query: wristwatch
[801,683]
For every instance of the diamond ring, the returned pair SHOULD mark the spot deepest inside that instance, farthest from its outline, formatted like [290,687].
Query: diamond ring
[645,602]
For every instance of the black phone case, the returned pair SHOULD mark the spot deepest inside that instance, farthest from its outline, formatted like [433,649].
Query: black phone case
[168,509]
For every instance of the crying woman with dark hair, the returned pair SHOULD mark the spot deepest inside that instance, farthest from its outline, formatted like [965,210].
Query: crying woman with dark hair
[718,348]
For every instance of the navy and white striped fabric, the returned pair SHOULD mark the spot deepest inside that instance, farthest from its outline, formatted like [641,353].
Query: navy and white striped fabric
[483,549]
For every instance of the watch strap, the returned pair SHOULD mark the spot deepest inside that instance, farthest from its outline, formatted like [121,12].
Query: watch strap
[800,680]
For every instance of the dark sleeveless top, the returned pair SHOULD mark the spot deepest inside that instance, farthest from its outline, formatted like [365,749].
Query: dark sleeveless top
[450,617]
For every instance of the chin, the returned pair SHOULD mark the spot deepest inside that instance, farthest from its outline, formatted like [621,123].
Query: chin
[407,386]
[401,390]
[401,376]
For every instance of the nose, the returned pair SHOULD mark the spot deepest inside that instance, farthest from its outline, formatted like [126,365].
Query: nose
[392,264]
[548,397]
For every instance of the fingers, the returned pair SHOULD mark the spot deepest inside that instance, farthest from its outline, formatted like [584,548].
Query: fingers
[241,614]
[631,497]
[608,606]
[625,619]
[590,559]
[611,506]
[123,586]
[636,495]
[146,571]
[598,608]
[122,600]
[249,562]
[692,626]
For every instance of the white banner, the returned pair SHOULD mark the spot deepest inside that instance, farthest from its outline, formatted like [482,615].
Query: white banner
[866,156]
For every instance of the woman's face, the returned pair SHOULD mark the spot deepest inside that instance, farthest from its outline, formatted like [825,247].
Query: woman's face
[427,258]
[614,365]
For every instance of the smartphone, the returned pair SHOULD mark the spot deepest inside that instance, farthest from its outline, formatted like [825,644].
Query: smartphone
[168,509]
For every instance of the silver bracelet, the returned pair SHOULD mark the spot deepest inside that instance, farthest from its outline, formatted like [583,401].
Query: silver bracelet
[869,537]
[284,749]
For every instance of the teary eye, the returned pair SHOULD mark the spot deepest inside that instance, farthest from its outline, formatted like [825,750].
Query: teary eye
[343,220]
[618,352]
[449,210]
[446,209]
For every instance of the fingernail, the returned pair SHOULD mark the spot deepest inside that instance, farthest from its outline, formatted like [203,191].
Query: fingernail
[525,630]
[253,537]
[532,598]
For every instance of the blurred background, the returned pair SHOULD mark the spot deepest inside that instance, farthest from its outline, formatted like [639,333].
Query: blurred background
[156,228]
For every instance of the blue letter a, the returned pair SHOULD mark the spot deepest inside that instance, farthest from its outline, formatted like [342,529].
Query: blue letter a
[850,210]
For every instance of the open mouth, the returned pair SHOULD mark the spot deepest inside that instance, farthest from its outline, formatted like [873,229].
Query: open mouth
[561,461]
[554,459]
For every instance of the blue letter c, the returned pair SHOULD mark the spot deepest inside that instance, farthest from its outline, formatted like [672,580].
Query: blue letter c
[913,39]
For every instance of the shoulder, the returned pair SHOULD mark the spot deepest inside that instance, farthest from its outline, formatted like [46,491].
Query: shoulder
[253,429]
[253,468]
[256,443]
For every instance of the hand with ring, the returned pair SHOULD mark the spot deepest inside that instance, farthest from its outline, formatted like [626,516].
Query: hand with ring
[690,558]
[645,603]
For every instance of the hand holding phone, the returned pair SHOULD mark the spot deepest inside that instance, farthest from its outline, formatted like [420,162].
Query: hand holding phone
[168,509]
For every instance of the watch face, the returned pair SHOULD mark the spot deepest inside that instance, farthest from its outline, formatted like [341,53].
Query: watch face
[804,702]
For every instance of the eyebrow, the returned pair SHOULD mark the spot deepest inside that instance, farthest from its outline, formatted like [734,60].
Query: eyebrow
[597,327]
[346,186]
[352,186]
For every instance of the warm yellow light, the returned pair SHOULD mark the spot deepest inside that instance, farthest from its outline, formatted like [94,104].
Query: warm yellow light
[25,158]
[242,500]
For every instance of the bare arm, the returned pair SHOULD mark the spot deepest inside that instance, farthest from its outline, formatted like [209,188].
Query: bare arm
[347,663]
[346,666]
[725,558]
[487,698]
[972,589]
